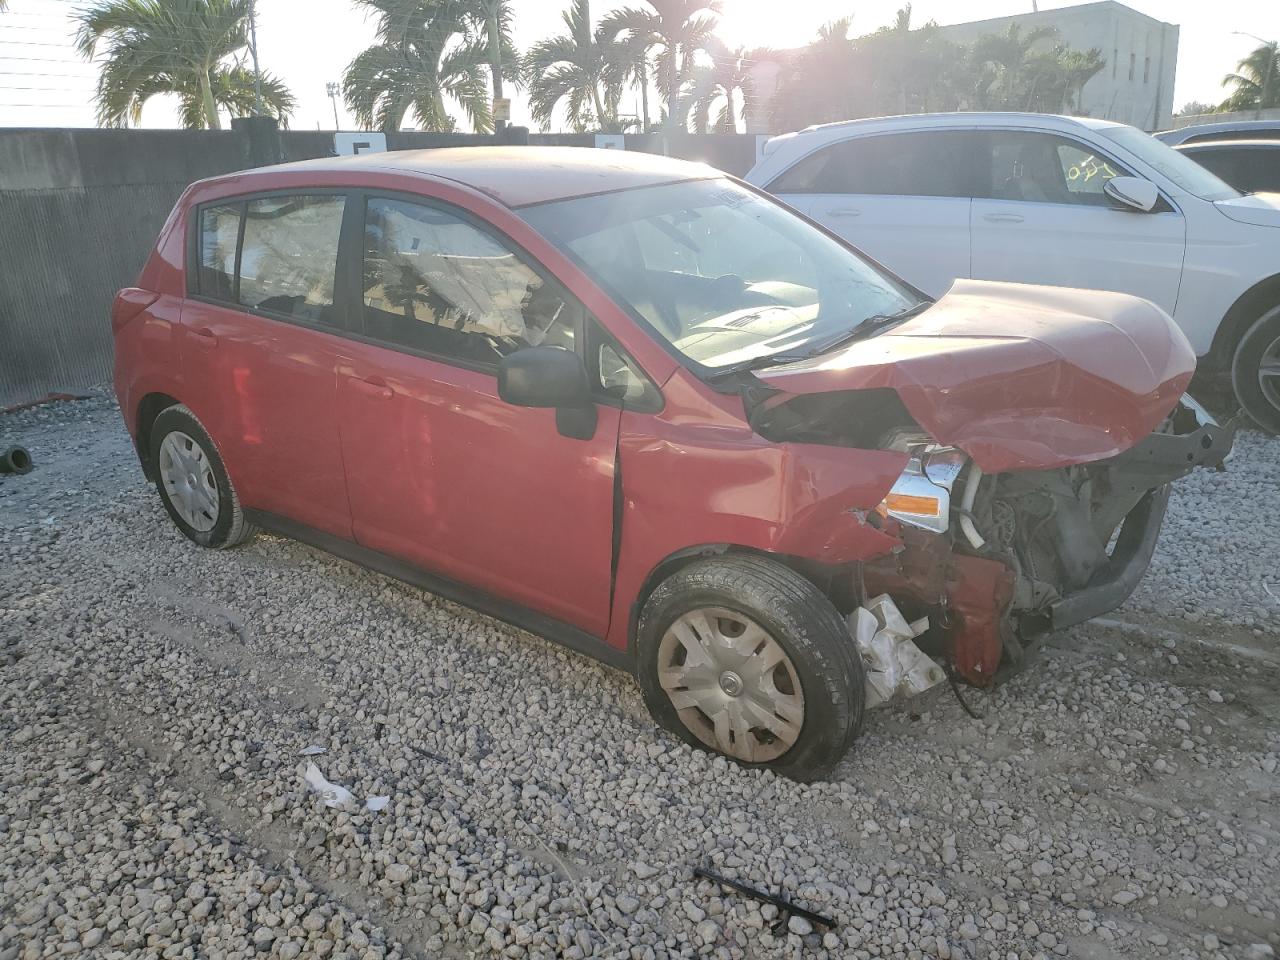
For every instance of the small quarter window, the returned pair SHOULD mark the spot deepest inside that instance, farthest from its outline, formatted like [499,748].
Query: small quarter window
[436,283]
[219,234]
[290,256]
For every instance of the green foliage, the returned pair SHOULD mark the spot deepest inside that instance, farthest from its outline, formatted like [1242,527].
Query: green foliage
[584,69]
[192,48]
[900,70]
[673,31]
[427,50]
[1257,72]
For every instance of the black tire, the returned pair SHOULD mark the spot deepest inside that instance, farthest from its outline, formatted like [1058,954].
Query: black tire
[797,616]
[230,528]
[1260,339]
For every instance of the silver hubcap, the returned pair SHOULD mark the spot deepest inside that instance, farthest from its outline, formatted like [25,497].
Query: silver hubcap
[188,479]
[1269,373]
[732,685]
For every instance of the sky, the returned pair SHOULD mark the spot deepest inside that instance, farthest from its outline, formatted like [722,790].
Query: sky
[44,82]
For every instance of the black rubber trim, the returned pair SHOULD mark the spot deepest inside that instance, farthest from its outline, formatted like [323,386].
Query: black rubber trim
[1112,585]
[513,613]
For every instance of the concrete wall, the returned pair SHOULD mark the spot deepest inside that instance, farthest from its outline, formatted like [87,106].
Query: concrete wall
[1136,85]
[1192,119]
[80,210]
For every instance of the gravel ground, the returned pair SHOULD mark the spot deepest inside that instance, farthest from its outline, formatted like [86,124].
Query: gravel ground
[1119,799]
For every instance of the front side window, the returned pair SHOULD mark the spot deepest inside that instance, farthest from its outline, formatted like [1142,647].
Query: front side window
[724,275]
[932,163]
[289,257]
[436,283]
[1043,168]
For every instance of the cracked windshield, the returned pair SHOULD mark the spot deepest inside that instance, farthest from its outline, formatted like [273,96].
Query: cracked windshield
[723,275]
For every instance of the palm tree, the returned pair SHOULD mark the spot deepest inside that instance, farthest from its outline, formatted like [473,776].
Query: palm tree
[582,68]
[1256,82]
[725,84]
[180,47]
[496,28]
[679,28]
[824,82]
[1003,65]
[427,50]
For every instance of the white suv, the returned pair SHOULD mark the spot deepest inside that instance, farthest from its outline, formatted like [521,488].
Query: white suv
[1052,200]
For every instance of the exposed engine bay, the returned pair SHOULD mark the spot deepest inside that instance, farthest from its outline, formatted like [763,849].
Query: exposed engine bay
[996,560]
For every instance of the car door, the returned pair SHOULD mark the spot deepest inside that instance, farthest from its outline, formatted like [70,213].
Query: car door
[903,198]
[263,336]
[443,473]
[1042,217]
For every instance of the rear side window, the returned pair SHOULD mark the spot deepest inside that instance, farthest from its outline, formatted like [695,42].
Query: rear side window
[289,257]
[436,283]
[935,163]
[219,234]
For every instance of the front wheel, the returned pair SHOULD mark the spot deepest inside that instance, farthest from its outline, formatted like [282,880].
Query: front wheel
[1255,371]
[743,656]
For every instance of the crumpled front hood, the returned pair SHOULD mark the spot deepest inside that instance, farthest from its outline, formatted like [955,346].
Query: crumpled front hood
[1019,377]
[1260,209]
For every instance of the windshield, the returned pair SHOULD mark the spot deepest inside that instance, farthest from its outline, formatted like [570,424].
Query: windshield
[724,275]
[1182,170]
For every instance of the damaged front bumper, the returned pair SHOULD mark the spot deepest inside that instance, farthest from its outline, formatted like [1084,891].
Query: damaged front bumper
[1032,551]
[1159,459]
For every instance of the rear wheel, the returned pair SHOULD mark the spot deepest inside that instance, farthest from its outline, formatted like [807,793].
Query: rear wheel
[193,483]
[1255,371]
[745,657]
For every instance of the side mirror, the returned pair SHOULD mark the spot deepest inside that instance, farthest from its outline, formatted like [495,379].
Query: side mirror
[543,377]
[550,377]
[1133,193]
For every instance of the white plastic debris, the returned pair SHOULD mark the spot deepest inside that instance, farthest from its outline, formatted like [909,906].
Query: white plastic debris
[311,751]
[895,666]
[332,794]
[335,795]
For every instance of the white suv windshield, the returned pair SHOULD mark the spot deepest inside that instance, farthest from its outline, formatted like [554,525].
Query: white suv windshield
[724,275]
[1182,170]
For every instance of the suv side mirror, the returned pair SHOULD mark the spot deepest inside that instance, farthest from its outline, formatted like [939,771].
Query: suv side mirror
[550,377]
[543,377]
[1133,193]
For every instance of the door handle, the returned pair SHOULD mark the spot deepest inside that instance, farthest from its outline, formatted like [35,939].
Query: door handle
[372,387]
[1003,217]
[845,212]
[204,338]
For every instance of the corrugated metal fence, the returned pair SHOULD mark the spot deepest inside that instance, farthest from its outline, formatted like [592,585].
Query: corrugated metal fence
[80,210]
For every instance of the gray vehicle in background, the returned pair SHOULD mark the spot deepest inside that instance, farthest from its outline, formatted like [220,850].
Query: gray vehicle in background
[1229,130]
[1251,166]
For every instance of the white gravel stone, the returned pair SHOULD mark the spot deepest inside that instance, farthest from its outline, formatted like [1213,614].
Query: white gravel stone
[154,698]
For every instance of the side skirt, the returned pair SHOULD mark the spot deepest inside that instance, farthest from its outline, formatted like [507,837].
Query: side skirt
[513,613]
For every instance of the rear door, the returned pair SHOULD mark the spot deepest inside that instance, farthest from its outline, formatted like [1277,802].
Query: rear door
[903,198]
[441,471]
[262,340]
[1041,216]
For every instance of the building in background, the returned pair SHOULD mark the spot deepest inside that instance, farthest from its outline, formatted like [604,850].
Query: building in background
[1136,86]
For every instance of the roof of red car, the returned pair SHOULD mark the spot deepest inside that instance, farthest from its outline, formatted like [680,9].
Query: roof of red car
[519,176]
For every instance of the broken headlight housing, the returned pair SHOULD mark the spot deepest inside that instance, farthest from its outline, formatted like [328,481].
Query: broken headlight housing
[921,496]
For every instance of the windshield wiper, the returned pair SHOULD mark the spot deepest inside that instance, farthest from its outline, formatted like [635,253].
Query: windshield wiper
[861,328]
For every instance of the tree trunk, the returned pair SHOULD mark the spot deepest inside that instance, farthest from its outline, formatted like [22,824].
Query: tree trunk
[644,96]
[210,106]
[673,86]
[495,57]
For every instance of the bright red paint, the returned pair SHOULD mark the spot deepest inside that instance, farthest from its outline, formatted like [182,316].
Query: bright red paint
[1016,376]
[421,460]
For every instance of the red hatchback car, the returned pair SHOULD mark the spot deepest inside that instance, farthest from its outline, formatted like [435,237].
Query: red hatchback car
[637,406]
